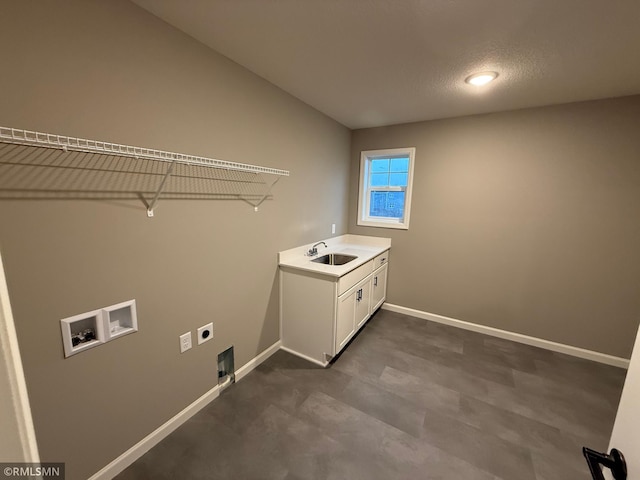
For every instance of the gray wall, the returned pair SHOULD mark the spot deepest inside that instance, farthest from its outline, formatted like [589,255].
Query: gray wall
[527,221]
[111,71]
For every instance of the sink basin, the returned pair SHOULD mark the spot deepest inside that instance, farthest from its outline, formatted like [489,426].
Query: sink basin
[334,259]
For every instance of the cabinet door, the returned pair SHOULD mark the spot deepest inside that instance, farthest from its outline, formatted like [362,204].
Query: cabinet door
[378,287]
[363,302]
[344,320]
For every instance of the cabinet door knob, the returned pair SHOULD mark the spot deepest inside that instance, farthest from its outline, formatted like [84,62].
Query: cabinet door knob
[375,281]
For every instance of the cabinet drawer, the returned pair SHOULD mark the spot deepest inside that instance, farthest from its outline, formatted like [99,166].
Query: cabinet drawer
[381,259]
[350,279]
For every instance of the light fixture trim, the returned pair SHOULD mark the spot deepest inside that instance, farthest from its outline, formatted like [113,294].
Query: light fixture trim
[482,78]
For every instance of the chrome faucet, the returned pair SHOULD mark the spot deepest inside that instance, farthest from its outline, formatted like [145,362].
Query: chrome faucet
[314,251]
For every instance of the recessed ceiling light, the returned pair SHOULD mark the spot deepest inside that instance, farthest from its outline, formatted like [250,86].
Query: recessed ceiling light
[483,78]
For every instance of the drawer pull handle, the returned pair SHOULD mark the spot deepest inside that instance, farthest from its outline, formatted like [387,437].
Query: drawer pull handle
[375,281]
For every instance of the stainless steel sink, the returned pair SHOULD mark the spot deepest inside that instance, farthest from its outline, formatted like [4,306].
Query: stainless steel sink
[334,259]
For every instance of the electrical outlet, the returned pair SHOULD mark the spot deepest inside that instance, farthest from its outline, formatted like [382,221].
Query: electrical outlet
[333,228]
[185,342]
[205,333]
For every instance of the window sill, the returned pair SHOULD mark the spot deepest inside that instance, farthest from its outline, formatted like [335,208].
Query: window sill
[380,224]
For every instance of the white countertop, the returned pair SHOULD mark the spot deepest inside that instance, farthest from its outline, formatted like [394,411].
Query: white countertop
[363,247]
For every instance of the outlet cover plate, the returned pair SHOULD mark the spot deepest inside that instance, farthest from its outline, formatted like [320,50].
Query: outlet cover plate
[185,342]
[205,333]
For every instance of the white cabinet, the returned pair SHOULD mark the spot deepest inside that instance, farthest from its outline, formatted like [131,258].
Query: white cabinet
[345,325]
[321,313]
[378,287]
[353,311]
[363,303]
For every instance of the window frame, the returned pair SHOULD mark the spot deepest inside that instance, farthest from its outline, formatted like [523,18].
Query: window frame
[364,188]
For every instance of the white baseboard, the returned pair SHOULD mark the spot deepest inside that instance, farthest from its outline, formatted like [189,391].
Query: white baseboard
[151,440]
[516,337]
[244,370]
[301,355]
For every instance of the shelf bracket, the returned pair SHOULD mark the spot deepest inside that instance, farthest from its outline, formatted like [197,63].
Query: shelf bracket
[265,196]
[160,188]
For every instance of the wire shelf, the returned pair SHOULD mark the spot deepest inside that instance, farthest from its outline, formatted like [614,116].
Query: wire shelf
[49,140]
[36,165]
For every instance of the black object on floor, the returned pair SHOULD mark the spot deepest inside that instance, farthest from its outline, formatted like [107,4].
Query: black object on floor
[614,461]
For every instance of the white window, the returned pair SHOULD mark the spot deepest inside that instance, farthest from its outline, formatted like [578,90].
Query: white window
[384,198]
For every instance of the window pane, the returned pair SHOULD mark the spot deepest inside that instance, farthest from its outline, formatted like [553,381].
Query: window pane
[386,204]
[384,197]
[398,179]
[379,179]
[400,164]
[380,165]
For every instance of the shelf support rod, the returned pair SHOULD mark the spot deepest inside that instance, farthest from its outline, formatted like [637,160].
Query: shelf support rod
[160,188]
[265,196]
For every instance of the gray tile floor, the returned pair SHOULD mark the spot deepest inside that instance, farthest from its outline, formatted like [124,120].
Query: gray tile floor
[408,399]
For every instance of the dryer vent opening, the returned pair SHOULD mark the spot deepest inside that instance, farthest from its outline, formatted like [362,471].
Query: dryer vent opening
[226,368]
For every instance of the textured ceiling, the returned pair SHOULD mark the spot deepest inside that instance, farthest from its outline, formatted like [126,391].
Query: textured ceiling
[380,62]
